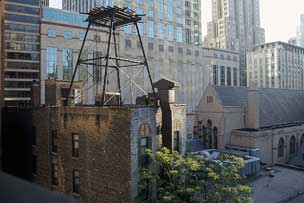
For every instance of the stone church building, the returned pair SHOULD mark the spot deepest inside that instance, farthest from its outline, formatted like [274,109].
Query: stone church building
[271,120]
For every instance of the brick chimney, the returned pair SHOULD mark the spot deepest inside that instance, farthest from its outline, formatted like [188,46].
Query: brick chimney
[35,94]
[253,111]
[166,95]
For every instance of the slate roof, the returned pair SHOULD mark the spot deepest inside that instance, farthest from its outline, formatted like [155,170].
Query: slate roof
[277,106]
[14,190]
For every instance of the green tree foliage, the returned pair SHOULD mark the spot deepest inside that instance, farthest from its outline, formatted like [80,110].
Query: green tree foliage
[192,179]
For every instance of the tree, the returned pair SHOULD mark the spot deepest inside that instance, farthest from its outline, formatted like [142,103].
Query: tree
[192,179]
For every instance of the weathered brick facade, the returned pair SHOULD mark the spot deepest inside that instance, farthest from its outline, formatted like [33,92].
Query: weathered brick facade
[111,142]
[104,151]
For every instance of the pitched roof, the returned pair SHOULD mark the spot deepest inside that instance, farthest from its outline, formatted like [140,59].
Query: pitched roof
[232,96]
[277,106]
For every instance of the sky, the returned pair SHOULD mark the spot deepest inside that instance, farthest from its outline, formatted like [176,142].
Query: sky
[280,18]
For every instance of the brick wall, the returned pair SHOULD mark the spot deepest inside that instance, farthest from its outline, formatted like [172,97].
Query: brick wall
[104,151]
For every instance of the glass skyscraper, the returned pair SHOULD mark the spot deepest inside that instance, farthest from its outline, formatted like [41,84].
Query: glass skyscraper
[172,20]
[21,65]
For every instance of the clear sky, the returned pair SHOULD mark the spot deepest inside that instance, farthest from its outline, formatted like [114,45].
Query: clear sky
[279,17]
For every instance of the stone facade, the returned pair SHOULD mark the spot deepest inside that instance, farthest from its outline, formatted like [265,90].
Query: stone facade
[286,69]
[252,118]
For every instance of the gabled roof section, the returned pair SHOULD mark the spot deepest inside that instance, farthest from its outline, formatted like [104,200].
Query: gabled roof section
[165,83]
[281,106]
[232,96]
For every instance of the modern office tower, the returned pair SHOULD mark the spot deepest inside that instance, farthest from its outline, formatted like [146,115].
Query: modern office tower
[235,25]
[300,32]
[22,50]
[292,40]
[173,20]
[276,65]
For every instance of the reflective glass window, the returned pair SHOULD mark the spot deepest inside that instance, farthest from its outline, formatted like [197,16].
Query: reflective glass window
[51,32]
[161,9]
[170,32]
[150,13]
[67,34]
[150,28]
[160,31]
[22,9]
[179,11]
[22,18]
[67,63]
[150,2]
[179,20]
[179,34]
[51,62]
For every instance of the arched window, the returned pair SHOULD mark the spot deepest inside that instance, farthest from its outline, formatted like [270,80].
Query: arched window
[215,138]
[144,142]
[209,134]
[281,148]
[302,141]
[292,145]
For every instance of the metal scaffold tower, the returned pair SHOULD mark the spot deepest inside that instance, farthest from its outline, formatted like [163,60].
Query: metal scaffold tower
[109,20]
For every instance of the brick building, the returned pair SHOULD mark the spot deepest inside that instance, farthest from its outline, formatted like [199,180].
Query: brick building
[94,153]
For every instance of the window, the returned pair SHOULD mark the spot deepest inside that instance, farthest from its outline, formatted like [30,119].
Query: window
[54,139]
[128,43]
[67,34]
[51,33]
[140,1]
[150,46]
[161,31]
[97,71]
[180,50]
[222,75]
[161,9]
[188,35]
[22,9]
[150,28]
[150,2]
[235,77]
[22,28]
[54,172]
[171,49]
[150,13]
[76,182]
[128,29]
[51,62]
[75,145]
[67,64]
[170,10]
[81,36]
[209,99]
[176,141]
[292,146]
[170,32]
[141,28]
[22,18]
[161,47]
[179,11]
[281,148]
[140,11]
[228,76]
[144,142]
[179,20]
[179,34]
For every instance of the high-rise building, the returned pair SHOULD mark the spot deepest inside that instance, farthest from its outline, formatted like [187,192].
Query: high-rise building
[236,26]
[276,65]
[172,20]
[21,50]
[300,32]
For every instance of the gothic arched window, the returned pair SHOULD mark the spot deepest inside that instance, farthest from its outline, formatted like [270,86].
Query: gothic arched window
[281,148]
[144,142]
[292,145]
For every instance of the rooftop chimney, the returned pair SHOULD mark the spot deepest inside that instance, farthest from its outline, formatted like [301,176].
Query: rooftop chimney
[253,111]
